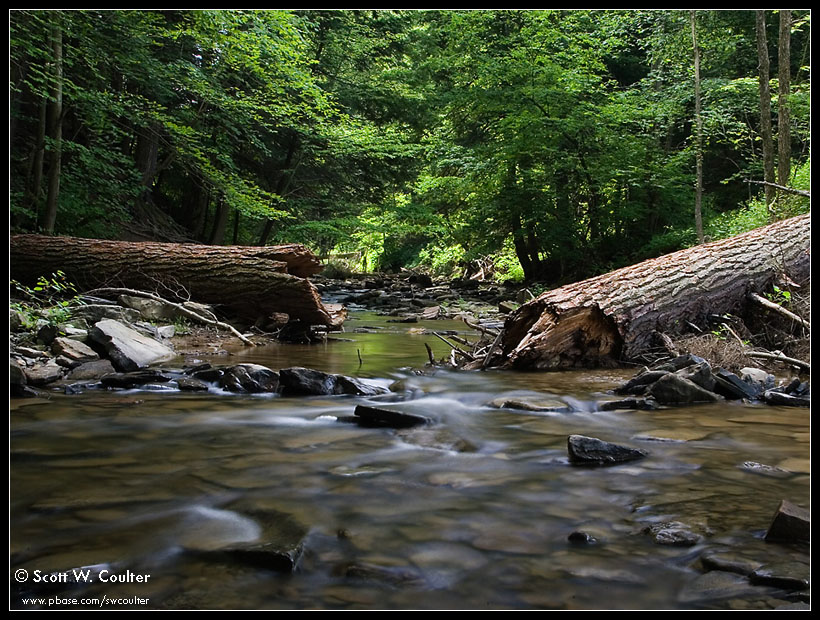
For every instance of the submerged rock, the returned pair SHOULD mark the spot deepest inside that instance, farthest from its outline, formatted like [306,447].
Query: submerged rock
[392,576]
[268,539]
[592,451]
[786,575]
[544,404]
[717,585]
[673,533]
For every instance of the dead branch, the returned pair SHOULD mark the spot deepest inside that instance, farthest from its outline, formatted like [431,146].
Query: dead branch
[780,358]
[782,188]
[178,307]
[780,309]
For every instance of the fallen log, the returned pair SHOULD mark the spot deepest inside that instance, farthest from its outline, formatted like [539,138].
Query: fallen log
[615,317]
[246,281]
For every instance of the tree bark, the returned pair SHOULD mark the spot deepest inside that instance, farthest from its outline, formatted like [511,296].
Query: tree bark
[784,149]
[246,281]
[615,317]
[765,106]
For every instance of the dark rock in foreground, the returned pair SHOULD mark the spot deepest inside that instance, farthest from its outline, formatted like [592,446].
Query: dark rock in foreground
[791,524]
[374,417]
[781,399]
[785,575]
[298,381]
[673,389]
[591,451]
[250,378]
[127,380]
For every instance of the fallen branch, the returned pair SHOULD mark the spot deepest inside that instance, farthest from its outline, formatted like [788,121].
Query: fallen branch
[489,355]
[780,358]
[454,347]
[483,330]
[782,188]
[780,309]
[178,307]
[430,355]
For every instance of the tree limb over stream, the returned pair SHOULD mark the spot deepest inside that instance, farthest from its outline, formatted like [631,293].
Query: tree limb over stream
[614,317]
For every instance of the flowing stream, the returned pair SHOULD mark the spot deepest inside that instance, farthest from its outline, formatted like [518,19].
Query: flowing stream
[473,512]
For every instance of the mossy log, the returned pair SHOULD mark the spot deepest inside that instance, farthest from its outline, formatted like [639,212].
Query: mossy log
[616,316]
[245,281]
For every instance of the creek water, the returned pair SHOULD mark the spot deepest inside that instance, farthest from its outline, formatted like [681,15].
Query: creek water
[473,512]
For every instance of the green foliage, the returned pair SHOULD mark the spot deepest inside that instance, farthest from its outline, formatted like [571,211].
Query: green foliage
[50,299]
[557,142]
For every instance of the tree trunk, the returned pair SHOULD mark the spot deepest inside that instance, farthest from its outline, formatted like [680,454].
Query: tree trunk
[220,223]
[615,317]
[698,135]
[765,106]
[784,148]
[55,123]
[247,281]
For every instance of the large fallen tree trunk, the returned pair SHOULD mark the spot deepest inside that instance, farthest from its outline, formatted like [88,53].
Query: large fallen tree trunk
[246,281]
[616,316]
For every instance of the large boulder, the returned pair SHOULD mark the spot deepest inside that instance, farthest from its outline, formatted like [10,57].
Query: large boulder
[673,389]
[127,349]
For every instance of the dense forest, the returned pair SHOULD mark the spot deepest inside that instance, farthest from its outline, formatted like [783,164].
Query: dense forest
[551,145]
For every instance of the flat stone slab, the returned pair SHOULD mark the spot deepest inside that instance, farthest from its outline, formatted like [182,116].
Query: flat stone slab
[127,349]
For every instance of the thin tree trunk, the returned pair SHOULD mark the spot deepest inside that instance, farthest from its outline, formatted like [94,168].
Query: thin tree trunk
[36,179]
[765,106]
[236,226]
[55,122]
[699,135]
[615,317]
[784,149]
[220,223]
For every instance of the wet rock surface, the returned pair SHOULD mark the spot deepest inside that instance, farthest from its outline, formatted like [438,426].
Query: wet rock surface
[377,417]
[689,379]
[592,451]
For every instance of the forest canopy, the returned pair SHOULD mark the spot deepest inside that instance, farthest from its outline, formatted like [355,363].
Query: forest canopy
[555,144]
